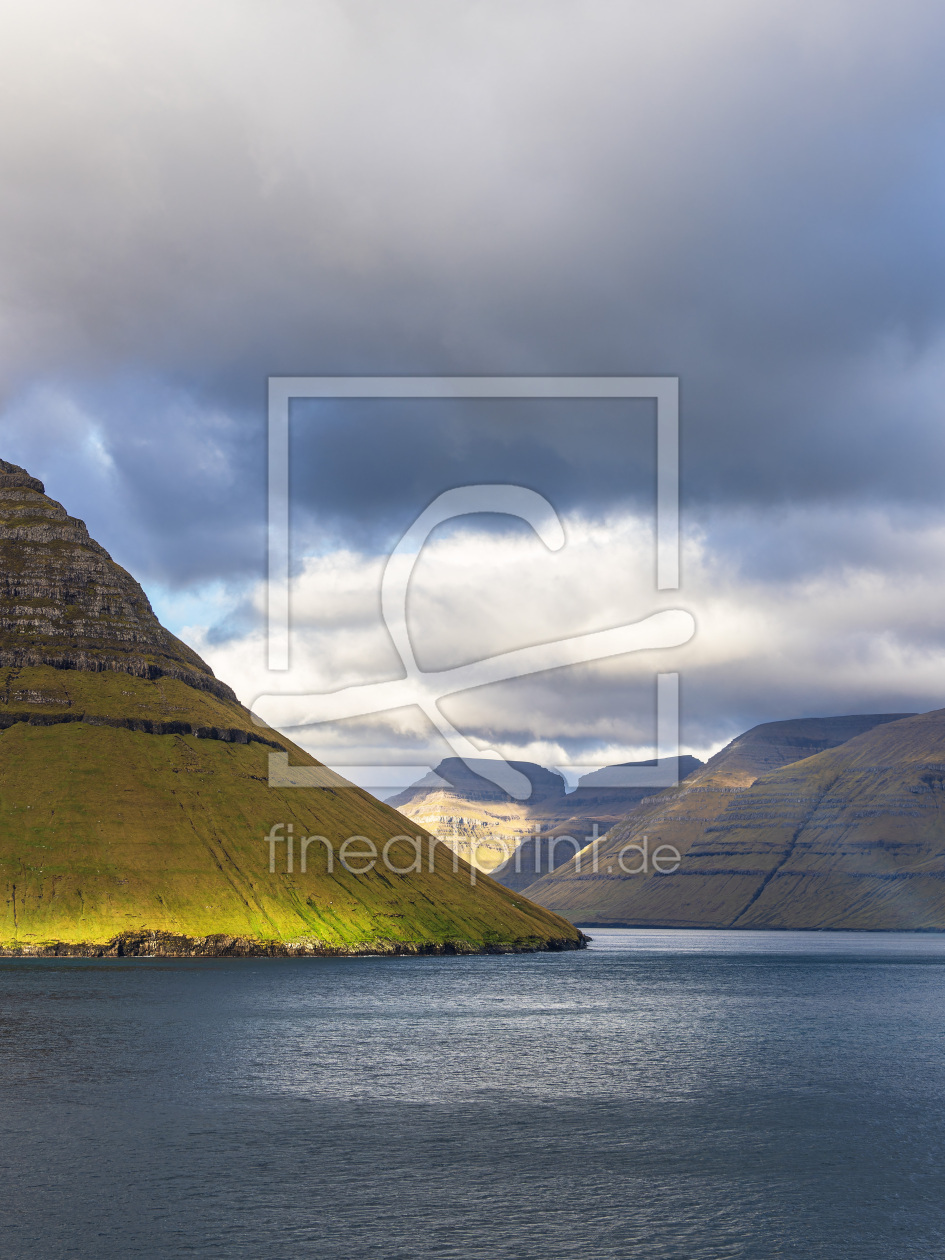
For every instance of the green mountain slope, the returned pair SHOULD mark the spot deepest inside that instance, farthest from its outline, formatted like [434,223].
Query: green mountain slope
[134,797]
[743,823]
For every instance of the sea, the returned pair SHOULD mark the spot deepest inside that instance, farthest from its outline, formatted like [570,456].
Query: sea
[668,1095]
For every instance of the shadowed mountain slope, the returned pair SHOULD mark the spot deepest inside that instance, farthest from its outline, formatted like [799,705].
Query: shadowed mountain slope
[497,832]
[592,809]
[135,800]
[738,825]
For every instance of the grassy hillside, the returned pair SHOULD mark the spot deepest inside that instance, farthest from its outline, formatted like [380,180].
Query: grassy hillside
[135,799]
[106,830]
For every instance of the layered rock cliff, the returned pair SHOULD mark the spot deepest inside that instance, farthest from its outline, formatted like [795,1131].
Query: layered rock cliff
[64,602]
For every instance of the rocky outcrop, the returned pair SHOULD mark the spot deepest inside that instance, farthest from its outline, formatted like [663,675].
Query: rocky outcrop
[167,945]
[148,726]
[65,603]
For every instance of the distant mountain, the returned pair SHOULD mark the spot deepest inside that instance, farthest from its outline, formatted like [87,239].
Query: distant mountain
[485,825]
[852,836]
[609,777]
[135,800]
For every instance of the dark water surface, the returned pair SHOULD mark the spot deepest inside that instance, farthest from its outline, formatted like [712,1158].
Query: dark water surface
[665,1094]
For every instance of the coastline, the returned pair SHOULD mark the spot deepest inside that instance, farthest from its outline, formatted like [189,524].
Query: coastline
[167,945]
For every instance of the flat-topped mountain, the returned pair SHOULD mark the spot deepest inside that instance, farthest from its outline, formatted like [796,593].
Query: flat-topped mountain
[454,777]
[135,806]
[497,832]
[609,778]
[771,837]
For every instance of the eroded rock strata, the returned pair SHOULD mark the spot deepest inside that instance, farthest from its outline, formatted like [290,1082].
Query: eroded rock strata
[64,602]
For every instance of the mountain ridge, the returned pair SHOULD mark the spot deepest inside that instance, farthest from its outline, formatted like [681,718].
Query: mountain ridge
[486,825]
[825,841]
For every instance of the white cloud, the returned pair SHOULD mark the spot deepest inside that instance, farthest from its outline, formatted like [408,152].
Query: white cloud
[855,637]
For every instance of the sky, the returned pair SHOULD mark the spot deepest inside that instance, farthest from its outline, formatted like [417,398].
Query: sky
[747,196]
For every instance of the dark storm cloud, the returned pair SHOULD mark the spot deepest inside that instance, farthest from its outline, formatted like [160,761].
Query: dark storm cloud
[362,472]
[195,197]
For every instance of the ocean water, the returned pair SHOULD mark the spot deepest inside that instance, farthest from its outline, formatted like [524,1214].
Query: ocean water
[684,1095]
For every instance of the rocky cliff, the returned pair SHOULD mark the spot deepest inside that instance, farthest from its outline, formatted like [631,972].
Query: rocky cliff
[65,603]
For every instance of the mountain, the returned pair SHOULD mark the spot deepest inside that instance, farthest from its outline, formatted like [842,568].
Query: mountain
[608,779]
[818,822]
[135,806]
[497,832]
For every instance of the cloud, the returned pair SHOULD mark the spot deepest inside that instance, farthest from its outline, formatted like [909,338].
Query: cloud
[848,638]
[746,195]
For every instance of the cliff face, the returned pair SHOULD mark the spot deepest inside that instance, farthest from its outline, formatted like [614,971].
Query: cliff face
[64,602]
[758,808]
[134,794]
[517,840]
